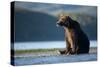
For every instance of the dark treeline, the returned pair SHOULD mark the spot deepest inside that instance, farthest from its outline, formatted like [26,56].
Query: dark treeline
[37,26]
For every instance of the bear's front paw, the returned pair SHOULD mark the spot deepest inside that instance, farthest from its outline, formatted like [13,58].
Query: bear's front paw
[72,51]
[62,52]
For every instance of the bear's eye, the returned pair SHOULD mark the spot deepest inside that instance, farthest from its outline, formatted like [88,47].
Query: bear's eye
[57,19]
[62,18]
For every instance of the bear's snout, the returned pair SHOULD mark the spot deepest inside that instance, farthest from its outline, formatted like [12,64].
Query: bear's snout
[59,23]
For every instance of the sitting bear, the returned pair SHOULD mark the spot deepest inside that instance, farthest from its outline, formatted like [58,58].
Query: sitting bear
[77,41]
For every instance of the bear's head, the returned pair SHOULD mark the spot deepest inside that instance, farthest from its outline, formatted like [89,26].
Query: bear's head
[64,21]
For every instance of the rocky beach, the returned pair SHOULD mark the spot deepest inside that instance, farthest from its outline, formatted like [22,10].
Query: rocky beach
[45,52]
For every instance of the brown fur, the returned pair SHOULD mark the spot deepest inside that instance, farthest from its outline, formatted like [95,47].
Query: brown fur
[76,40]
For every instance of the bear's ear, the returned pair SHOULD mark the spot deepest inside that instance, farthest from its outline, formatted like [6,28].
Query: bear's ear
[67,17]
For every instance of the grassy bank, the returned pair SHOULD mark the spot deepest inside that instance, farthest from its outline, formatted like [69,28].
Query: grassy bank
[92,50]
[34,50]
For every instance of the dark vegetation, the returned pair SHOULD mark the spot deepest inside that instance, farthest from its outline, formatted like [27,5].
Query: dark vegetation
[37,26]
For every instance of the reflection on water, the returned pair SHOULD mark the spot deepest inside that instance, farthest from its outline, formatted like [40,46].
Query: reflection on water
[55,59]
[39,45]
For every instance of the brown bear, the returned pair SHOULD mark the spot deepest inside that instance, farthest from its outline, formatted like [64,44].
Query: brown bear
[77,41]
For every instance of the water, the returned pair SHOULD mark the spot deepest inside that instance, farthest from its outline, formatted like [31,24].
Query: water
[46,44]
[55,59]
[30,59]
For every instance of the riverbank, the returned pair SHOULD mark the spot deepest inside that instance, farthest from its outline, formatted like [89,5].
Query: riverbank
[44,52]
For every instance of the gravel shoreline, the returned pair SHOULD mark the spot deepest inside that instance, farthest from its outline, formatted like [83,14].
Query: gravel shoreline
[48,53]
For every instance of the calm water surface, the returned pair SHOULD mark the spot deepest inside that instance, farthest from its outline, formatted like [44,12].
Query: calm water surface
[55,59]
[32,60]
[43,45]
